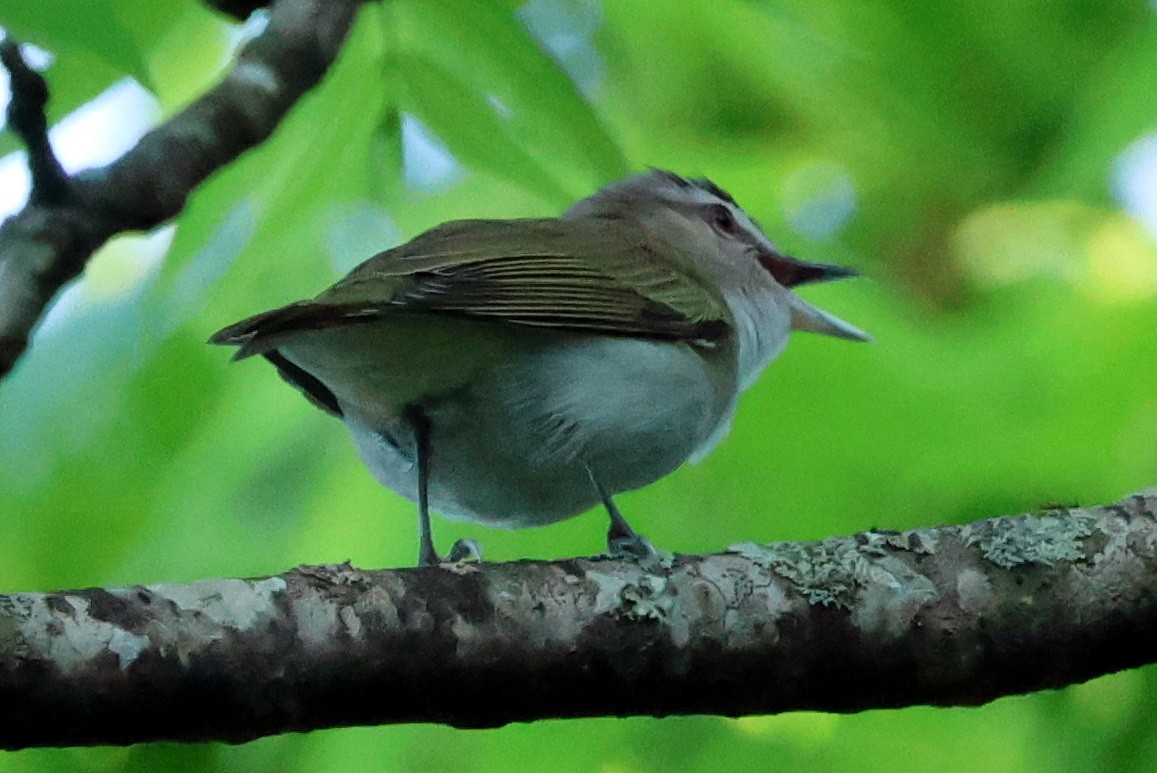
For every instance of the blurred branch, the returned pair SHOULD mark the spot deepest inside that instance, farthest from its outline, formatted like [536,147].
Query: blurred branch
[68,217]
[238,9]
[27,119]
[948,616]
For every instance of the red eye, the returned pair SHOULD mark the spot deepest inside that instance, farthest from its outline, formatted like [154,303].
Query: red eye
[722,218]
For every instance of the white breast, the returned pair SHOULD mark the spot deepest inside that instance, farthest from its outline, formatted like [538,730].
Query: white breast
[763,322]
[512,448]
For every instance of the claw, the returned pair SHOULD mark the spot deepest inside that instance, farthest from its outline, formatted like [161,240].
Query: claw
[465,550]
[622,540]
[632,545]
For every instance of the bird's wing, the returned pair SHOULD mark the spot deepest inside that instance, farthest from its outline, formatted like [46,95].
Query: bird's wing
[584,274]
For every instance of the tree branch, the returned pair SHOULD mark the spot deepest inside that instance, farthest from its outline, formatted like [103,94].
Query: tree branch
[67,218]
[27,118]
[947,616]
[238,9]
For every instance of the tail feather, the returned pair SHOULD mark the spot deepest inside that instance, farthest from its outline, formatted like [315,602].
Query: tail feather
[264,332]
[305,382]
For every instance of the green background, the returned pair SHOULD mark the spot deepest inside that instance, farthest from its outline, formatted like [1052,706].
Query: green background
[961,153]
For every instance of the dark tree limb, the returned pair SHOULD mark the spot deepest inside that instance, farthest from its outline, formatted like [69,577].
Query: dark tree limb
[27,119]
[67,218]
[948,616]
[238,9]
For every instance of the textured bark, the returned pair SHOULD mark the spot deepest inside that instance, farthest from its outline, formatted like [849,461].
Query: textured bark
[67,218]
[947,616]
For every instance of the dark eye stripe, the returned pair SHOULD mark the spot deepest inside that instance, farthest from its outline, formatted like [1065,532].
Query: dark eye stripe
[722,218]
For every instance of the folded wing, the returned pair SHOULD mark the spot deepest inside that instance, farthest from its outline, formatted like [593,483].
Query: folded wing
[588,275]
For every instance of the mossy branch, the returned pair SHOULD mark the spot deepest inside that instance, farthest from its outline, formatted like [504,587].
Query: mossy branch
[946,616]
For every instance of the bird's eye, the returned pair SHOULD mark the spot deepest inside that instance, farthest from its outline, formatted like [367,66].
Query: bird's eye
[723,219]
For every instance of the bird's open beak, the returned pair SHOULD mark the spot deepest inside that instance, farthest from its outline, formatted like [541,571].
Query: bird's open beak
[804,316]
[790,272]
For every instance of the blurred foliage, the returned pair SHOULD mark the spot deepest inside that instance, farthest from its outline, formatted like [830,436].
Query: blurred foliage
[968,155]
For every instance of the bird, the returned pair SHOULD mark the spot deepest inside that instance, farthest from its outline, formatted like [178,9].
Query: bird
[519,372]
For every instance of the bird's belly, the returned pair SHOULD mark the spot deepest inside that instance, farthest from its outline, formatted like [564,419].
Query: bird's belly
[512,448]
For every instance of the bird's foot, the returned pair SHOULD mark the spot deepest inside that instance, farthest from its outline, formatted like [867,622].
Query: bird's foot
[635,547]
[463,551]
[630,545]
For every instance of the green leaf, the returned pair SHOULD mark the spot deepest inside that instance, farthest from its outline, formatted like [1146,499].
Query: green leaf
[88,26]
[471,127]
[485,49]
[318,154]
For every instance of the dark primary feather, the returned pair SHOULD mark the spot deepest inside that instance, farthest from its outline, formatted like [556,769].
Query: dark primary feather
[548,291]
[528,272]
[262,332]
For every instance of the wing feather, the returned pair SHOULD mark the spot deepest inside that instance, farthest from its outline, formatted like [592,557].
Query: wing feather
[582,274]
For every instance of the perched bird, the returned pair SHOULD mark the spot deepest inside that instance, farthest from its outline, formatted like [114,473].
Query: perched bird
[517,372]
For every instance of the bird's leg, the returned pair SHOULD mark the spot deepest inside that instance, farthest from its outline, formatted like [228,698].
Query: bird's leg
[622,540]
[463,549]
[427,556]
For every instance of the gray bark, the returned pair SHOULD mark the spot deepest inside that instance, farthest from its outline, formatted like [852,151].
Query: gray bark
[946,616]
[49,242]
